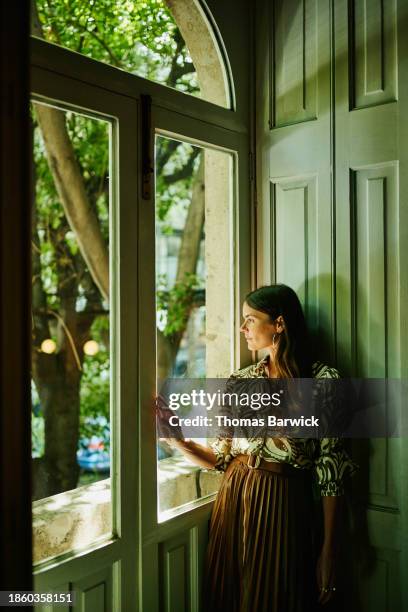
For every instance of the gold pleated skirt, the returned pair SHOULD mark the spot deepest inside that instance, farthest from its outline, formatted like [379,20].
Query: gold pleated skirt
[261,555]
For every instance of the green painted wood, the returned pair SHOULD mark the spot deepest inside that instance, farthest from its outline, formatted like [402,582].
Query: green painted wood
[373,52]
[176,583]
[342,245]
[294,157]
[94,592]
[294,48]
[402,128]
[368,263]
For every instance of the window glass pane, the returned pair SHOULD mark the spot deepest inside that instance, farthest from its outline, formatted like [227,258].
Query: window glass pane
[70,331]
[139,36]
[193,291]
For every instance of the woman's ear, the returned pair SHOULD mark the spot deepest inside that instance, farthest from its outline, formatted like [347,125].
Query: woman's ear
[280,324]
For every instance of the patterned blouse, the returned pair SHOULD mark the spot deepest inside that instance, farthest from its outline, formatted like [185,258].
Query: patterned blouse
[326,456]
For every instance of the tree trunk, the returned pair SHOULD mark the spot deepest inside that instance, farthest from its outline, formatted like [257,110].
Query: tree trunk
[70,185]
[58,470]
[190,242]
[71,190]
[167,347]
[58,378]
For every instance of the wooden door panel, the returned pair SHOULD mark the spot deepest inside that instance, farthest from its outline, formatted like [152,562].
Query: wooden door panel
[296,236]
[293,62]
[295,157]
[379,589]
[374,277]
[176,555]
[94,580]
[94,592]
[331,198]
[373,52]
[368,260]
[176,559]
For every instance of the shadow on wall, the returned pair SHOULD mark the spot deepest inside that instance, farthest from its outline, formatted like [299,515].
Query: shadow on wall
[357,556]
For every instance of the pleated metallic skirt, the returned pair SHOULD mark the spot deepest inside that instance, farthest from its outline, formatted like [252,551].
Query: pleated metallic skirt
[261,555]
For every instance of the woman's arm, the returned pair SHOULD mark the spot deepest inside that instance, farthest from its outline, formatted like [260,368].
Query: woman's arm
[332,508]
[326,564]
[197,453]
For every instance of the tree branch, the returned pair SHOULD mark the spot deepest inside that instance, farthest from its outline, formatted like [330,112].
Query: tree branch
[164,151]
[70,186]
[181,70]
[71,190]
[184,172]
[190,241]
[186,264]
[177,70]
[39,298]
[115,60]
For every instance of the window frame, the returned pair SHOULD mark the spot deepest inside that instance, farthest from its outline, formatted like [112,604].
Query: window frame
[54,72]
[68,93]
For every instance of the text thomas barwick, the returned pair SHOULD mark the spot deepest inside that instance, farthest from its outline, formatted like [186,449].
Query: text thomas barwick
[225,421]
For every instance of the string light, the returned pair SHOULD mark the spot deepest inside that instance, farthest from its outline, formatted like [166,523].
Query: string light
[91,348]
[48,346]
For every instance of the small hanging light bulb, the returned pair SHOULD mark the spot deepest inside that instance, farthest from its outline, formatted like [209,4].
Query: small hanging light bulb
[48,346]
[91,348]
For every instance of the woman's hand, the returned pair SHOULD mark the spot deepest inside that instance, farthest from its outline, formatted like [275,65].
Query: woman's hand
[166,432]
[326,575]
[199,454]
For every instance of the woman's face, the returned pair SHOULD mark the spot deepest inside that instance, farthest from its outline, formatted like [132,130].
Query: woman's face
[258,328]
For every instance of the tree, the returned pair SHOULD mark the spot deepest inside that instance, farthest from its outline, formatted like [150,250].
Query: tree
[70,230]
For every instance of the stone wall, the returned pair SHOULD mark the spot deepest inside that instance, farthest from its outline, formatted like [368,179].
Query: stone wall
[80,518]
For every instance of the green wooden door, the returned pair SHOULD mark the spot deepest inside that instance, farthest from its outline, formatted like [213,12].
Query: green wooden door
[332,166]
[371,161]
[294,153]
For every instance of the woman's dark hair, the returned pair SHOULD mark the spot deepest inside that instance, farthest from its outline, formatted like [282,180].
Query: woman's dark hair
[293,356]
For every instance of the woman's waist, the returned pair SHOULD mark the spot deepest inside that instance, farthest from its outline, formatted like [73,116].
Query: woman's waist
[257,462]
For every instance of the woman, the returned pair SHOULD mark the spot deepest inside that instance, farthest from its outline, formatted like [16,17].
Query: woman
[261,553]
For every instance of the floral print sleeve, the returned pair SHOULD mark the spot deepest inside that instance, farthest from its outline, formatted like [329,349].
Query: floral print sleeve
[222,450]
[332,466]
[324,455]
[223,442]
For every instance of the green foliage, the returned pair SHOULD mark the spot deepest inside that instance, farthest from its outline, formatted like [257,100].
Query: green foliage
[175,303]
[174,189]
[139,36]
[95,383]
[37,425]
[37,436]
[180,161]
[60,257]
[57,243]
[142,38]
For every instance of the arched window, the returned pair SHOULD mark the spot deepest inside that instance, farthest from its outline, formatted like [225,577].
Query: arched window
[130,283]
[167,41]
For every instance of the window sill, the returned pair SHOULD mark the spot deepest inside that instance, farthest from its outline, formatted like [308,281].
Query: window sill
[77,519]
[71,520]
